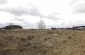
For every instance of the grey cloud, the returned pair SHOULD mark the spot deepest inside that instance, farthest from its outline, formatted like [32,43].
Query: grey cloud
[80,9]
[19,19]
[26,24]
[3,1]
[33,11]
[3,24]
[20,11]
[52,16]
[73,2]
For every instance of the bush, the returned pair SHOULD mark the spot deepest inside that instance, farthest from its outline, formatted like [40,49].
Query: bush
[50,32]
[30,37]
[69,37]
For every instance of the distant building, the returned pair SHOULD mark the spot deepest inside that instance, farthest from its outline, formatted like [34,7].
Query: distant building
[68,28]
[53,28]
[1,29]
[78,28]
[12,27]
[73,28]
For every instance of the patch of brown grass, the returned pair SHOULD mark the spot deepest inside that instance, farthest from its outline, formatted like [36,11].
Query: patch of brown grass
[46,42]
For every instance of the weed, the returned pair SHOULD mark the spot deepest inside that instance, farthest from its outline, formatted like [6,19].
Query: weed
[69,37]
[30,37]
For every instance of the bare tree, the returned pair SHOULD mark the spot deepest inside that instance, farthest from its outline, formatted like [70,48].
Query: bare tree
[41,25]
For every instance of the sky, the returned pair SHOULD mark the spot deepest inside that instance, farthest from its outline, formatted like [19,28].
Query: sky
[54,13]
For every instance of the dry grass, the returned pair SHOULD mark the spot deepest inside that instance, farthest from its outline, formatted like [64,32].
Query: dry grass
[42,42]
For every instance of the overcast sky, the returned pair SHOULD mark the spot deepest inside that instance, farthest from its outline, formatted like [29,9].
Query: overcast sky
[55,13]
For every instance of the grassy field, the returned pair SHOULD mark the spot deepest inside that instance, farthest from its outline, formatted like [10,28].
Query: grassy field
[42,42]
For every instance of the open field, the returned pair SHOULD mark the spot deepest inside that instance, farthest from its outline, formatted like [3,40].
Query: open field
[42,42]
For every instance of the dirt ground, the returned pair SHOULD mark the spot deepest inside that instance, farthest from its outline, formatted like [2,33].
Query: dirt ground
[42,42]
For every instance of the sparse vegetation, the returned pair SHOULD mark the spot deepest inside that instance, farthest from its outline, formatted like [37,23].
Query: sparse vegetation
[46,42]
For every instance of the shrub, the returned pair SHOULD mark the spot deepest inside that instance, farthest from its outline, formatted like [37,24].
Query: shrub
[30,37]
[69,37]
[50,32]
